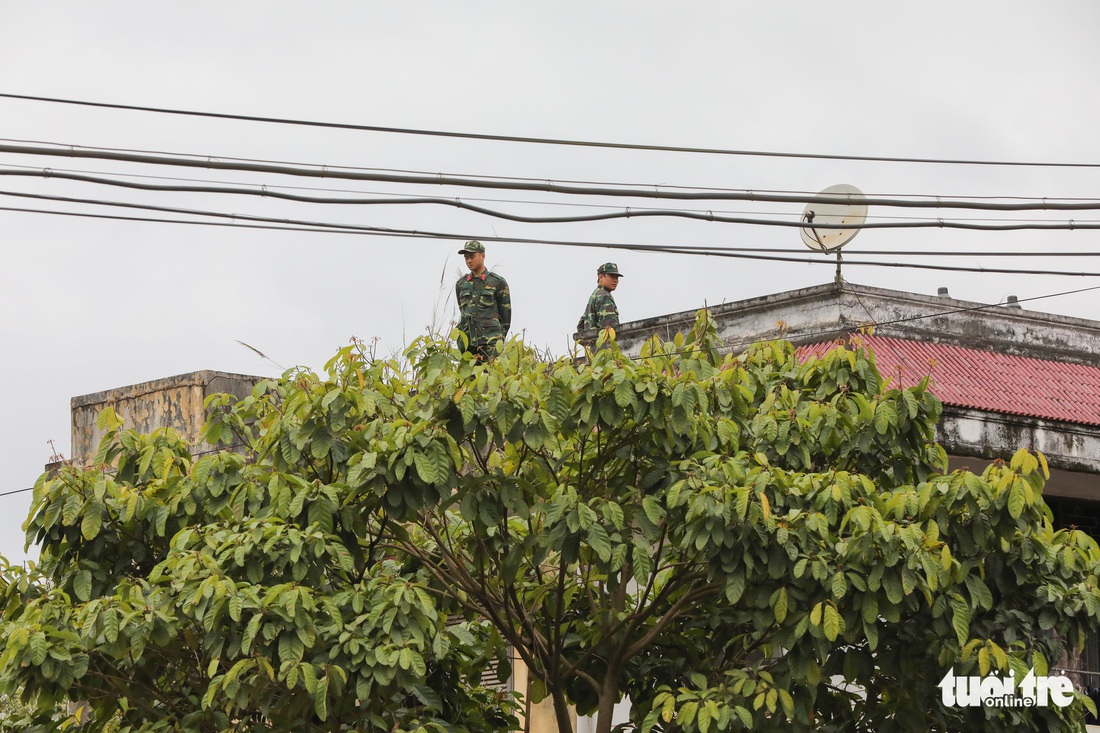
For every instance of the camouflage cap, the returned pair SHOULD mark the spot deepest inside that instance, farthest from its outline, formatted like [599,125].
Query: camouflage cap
[609,268]
[472,246]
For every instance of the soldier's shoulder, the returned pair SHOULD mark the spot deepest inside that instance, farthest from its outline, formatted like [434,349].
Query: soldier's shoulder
[499,278]
[599,293]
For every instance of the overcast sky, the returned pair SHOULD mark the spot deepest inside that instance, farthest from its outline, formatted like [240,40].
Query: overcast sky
[90,304]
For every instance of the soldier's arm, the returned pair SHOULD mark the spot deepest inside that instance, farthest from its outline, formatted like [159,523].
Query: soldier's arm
[504,307]
[463,324]
[586,317]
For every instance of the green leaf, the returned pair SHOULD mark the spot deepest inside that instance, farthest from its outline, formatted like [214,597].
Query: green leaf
[39,648]
[613,513]
[343,557]
[980,595]
[321,698]
[832,622]
[839,585]
[885,417]
[960,619]
[599,541]
[82,585]
[425,468]
[625,394]
[320,514]
[983,661]
[642,560]
[1016,499]
[686,714]
[735,586]
[653,511]
[236,604]
[779,604]
[93,519]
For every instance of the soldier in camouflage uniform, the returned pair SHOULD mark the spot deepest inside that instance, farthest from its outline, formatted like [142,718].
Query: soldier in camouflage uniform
[601,311]
[485,304]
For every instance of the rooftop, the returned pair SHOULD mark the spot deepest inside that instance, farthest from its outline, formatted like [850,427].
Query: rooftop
[987,380]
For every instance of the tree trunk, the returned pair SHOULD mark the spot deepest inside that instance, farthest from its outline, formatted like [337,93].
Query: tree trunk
[561,712]
[608,698]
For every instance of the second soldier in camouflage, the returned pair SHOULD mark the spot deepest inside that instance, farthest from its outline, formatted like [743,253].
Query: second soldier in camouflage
[601,311]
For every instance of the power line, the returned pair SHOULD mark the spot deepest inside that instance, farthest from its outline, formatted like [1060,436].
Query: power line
[547,186]
[682,249]
[55,173]
[628,213]
[321,227]
[543,140]
[17,491]
[539,179]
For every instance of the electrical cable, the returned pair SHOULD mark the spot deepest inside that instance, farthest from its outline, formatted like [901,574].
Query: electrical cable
[525,202]
[264,192]
[540,180]
[542,140]
[550,186]
[766,250]
[686,249]
[17,491]
[322,227]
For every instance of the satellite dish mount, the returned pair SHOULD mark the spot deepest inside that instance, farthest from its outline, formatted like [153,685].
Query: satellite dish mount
[832,219]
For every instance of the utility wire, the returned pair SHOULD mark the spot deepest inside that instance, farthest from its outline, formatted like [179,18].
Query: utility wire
[457,203]
[540,180]
[549,186]
[54,173]
[17,491]
[677,248]
[543,140]
[321,227]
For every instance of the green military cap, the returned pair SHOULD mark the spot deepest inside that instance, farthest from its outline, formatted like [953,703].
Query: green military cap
[609,268]
[472,246]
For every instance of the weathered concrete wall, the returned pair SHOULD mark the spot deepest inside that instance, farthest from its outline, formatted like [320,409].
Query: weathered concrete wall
[175,402]
[983,434]
[1072,451]
[829,311]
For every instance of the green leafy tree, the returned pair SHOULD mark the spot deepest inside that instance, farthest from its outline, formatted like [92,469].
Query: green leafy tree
[233,592]
[755,542]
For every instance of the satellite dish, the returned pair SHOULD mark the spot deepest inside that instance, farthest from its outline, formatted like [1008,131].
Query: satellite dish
[826,208]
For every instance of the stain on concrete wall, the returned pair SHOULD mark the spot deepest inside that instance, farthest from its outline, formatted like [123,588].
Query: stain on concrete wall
[175,402]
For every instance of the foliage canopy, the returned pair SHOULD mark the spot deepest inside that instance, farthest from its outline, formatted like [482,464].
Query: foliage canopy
[756,542]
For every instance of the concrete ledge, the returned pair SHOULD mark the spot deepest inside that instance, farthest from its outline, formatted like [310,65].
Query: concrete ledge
[825,312]
[175,402]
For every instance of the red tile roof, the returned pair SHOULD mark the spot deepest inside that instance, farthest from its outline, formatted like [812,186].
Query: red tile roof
[988,380]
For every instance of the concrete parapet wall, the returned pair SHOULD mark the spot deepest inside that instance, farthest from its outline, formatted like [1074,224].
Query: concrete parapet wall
[826,312]
[175,402]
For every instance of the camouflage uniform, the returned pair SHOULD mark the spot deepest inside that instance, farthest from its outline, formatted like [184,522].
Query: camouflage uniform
[601,311]
[486,307]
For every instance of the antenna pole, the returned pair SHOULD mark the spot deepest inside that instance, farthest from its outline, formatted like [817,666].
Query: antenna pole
[839,278]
